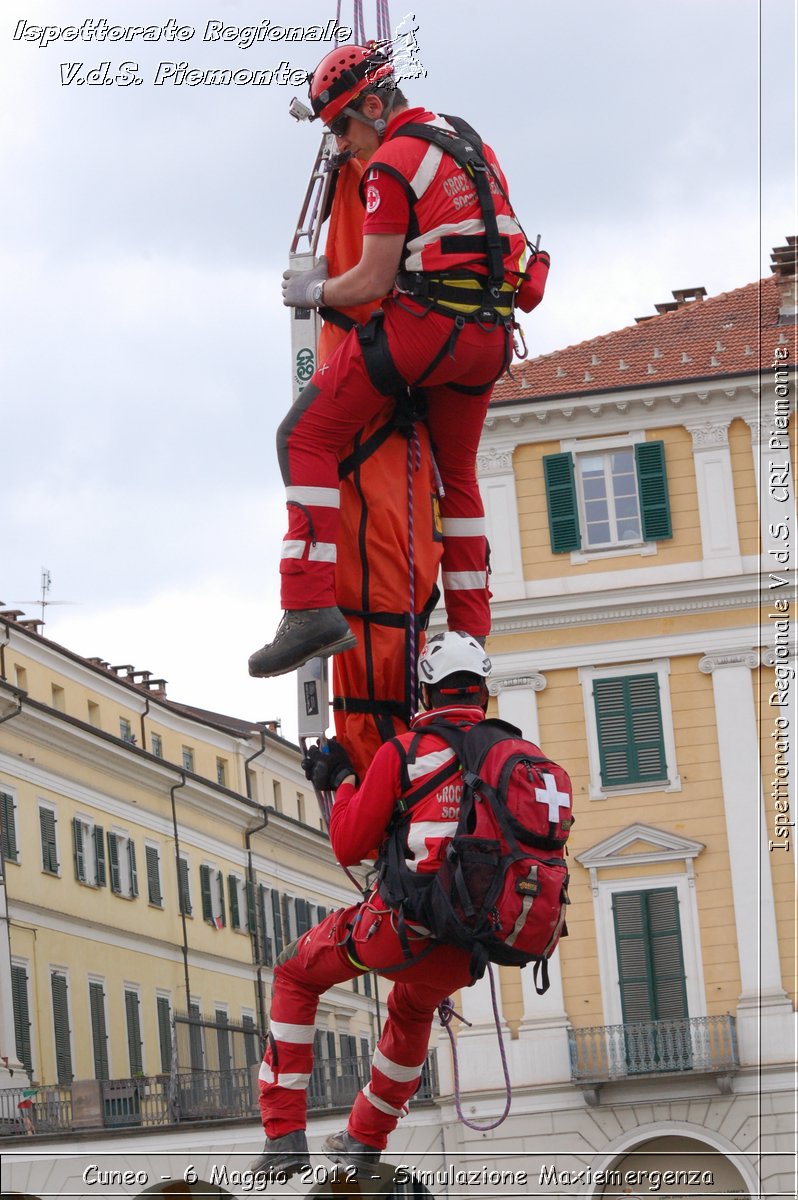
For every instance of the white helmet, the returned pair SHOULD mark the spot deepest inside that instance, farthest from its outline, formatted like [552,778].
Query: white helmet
[449,653]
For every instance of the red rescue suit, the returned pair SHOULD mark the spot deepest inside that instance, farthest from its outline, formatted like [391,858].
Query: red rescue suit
[364,934]
[413,188]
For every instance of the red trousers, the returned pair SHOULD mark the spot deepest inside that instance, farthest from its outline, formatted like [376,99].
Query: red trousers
[339,400]
[305,971]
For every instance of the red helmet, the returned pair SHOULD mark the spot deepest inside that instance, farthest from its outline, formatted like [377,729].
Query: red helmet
[342,75]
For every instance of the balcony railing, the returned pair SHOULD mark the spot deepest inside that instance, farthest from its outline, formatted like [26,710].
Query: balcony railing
[698,1044]
[186,1096]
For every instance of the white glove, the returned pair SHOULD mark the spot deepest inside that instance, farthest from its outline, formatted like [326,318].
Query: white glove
[299,286]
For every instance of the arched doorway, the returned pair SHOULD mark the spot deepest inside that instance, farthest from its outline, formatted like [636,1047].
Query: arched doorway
[673,1165]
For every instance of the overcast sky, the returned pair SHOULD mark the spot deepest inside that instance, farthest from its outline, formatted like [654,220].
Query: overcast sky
[143,231]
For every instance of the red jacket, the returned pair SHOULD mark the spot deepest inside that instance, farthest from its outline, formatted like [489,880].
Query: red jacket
[440,213]
[360,817]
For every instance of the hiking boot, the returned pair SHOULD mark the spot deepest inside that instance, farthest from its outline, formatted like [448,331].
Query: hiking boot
[342,1148]
[303,633]
[282,1157]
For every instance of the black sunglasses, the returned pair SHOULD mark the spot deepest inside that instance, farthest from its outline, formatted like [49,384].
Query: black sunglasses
[339,125]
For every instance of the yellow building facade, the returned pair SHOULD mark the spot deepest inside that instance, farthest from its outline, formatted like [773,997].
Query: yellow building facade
[156,860]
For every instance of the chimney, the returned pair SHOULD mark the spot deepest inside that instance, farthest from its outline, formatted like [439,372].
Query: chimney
[681,299]
[783,262]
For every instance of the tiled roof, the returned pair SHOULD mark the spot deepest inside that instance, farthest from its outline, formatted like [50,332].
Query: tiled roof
[700,339]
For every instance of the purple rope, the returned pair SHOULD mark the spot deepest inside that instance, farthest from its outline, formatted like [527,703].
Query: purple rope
[411,562]
[445,1014]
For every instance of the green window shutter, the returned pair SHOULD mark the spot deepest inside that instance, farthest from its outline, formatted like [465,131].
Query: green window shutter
[286,906]
[650,960]
[223,1040]
[196,1050]
[164,1033]
[99,854]
[278,923]
[183,888]
[131,859]
[49,848]
[302,916]
[19,998]
[10,849]
[220,893]
[629,727]
[99,1034]
[77,850]
[268,944]
[232,890]
[152,860]
[205,892]
[250,1041]
[113,864]
[63,1047]
[558,473]
[133,1032]
[652,483]
[252,919]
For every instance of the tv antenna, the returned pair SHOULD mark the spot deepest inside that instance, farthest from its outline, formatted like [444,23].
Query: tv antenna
[45,585]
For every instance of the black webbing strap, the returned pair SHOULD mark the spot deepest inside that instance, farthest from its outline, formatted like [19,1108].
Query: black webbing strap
[465,147]
[377,359]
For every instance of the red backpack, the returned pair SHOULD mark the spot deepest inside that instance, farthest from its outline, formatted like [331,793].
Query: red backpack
[502,889]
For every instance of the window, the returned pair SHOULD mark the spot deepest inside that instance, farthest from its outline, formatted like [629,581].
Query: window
[212,896]
[651,979]
[153,859]
[221,771]
[94,713]
[133,1022]
[21,1006]
[122,865]
[59,700]
[300,807]
[163,1009]
[126,731]
[21,678]
[609,507]
[156,742]
[48,827]
[88,850]
[99,1033]
[630,728]
[8,816]
[277,793]
[188,758]
[184,886]
[289,918]
[63,1034]
[236,894]
[603,495]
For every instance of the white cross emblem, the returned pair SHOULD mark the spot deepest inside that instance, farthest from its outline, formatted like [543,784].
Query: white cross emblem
[323,368]
[555,800]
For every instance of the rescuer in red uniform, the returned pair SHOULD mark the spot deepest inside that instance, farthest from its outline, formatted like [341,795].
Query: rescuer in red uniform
[440,235]
[453,670]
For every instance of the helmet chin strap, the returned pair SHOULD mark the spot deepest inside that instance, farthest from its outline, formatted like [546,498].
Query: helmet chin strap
[379,124]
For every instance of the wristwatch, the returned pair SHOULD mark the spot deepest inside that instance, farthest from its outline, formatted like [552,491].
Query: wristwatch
[317,295]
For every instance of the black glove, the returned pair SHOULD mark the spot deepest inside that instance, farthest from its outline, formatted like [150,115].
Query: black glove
[327,767]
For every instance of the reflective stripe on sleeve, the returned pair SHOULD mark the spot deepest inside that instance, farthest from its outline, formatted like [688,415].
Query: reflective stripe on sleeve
[322,497]
[463,526]
[463,581]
